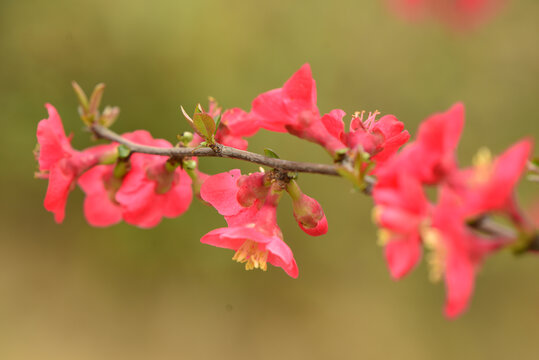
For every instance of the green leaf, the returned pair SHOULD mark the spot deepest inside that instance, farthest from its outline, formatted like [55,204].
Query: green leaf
[187,117]
[270,153]
[217,122]
[81,95]
[535,161]
[95,98]
[204,124]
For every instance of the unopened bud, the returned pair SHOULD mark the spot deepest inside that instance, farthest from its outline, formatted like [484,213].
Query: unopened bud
[307,211]
[190,164]
[186,137]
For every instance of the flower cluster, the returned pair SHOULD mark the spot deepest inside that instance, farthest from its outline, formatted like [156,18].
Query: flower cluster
[139,179]
[408,219]
[140,190]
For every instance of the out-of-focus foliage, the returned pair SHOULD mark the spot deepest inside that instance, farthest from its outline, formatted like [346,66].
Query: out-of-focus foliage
[71,291]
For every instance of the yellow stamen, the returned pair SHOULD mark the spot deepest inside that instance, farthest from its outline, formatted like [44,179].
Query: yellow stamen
[437,255]
[384,236]
[482,162]
[376,214]
[253,257]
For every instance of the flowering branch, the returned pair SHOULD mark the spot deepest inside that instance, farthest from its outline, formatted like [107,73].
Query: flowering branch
[484,224]
[139,179]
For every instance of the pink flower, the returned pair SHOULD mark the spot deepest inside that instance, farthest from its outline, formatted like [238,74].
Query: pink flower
[379,138]
[59,162]
[100,205]
[235,124]
[252,231]
[293,109]
[290,105]
[100,185]
[153,189]
[456,253]
[431,157]
[489,185]
[459,14]
[402,211]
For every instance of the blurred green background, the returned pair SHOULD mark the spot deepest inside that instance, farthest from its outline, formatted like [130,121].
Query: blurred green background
[71,291]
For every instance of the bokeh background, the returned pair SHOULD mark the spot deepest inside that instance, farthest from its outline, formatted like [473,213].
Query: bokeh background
[71,291]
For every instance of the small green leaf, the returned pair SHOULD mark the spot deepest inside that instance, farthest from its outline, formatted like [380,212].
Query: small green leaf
[188,118]
[217,122]
[81,95]
[204,125]
[535,161]
[270,153]
[95,98]
[123,151]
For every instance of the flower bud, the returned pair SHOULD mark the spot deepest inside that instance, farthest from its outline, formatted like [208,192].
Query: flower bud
[307,211]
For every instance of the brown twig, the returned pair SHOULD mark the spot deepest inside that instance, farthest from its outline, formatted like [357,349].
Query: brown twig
[224,151]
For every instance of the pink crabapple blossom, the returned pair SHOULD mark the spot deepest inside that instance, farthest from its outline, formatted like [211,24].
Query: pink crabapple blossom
[59,162]
[252,231]
[378,138]
[458,14]
[293,109]
[151,189]
[235,125]
[456,252]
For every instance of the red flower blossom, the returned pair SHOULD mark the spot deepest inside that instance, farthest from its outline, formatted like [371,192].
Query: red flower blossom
[489,185]
[153,189]
[100,185]
[456,252]
[252,231]
[235,124]
[100,205]
[431,157]
[459,14]
[402,211]
[293,109]
[379,138]
[59,162]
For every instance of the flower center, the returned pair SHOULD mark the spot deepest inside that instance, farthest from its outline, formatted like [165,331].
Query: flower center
[437,255]
[482,162]
[250,254]
[357,120]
